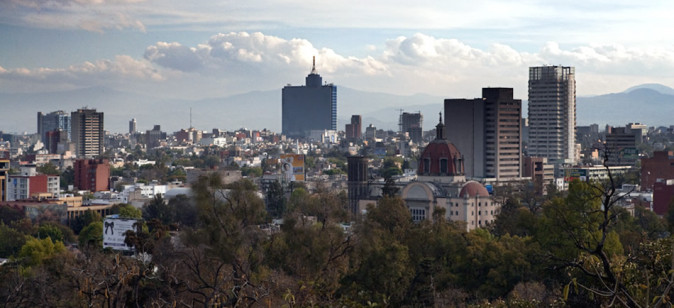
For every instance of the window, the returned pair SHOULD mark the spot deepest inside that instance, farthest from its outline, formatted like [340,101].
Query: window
[443,166]
[427,165]
[418,214]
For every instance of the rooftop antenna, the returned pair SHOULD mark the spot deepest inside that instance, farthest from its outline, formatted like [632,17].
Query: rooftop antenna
[313,66]
[190,117]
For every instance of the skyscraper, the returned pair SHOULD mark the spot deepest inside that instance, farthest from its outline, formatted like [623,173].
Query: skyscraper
[488,133]
[87,132]
[309,107]
[132,126]
[412,125]
[552,113]
[53,121]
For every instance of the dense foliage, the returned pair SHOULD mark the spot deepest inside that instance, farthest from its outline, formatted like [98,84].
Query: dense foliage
[217,248]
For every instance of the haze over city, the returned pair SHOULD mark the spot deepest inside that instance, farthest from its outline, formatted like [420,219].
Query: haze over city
[205,49]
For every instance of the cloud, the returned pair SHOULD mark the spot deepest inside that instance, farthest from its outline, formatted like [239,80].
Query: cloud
[236,62]
[41,4]
[89,15]
[241,51]
[121,70]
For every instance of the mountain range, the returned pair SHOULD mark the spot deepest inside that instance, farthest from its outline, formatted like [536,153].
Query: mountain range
[651,104]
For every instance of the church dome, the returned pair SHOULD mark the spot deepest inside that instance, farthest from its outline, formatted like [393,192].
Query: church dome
[440,157]
[472,189]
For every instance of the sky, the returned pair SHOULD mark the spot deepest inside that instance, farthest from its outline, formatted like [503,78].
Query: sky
[211,48]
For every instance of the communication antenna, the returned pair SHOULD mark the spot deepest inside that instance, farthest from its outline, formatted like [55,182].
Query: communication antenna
[190,117]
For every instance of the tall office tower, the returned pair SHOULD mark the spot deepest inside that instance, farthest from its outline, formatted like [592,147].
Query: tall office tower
[309,107]
[87,132]
[57,120]
[132,126]
[552,113]
[488,133]
[354,130]
[412,124]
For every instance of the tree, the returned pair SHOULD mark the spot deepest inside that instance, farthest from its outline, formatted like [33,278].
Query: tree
[11,241]
[35,251]
[159,209]
[9,214]
[49,169]
[84,220]
[276,201]
[67,177]
[185,211]
[92,235]
[588,245]
[128,211]
[514,219]
[224,256]
[381,267]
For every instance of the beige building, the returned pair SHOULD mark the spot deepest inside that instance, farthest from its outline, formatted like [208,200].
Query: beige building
[441,183]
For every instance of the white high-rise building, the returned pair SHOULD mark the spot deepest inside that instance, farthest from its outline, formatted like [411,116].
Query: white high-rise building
[552,113]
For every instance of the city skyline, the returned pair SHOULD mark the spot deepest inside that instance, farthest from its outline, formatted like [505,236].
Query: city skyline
[209,49]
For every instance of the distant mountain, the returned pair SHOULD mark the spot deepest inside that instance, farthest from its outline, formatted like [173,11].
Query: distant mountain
[652,86]
[639,104]
[652,104]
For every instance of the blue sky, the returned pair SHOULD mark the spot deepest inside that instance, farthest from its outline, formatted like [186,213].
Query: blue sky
[205,48]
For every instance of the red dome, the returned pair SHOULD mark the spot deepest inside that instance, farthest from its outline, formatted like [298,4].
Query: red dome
[440,157]
[472,189]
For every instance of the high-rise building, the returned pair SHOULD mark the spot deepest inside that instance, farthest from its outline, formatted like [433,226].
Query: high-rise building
[354,130]
[57,120]
[552,113]
[309,107]
[412,124]
[87,132]
[132,126]
[488,133]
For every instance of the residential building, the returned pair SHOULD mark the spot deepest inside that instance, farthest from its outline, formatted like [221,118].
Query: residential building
[154,137]
[663,192]
[92,174]
[488,132]
[658,167]
[552,113]
[370,133]
[540,171]
[621,146]
[354,130]
[309,107]
[87,132]
[4,175]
